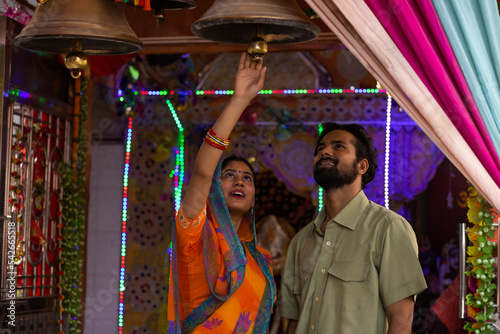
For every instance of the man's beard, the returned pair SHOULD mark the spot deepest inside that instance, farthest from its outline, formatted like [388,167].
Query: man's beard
[335,176]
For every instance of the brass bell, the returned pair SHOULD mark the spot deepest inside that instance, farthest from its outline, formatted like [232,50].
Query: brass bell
[258,22]
[92,27]
[160,6]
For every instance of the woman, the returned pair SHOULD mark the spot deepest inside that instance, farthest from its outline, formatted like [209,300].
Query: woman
[220,282]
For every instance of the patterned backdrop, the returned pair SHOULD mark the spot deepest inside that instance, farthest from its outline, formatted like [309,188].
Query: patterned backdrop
[273,197]
[149,225]
[282,157]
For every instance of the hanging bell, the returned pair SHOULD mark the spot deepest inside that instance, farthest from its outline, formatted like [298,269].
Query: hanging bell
[257,23]
[79,28]
[160,6]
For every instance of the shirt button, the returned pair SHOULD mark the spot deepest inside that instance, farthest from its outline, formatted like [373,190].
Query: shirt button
[312,327]
[328,243]
[323,271]
[317,298]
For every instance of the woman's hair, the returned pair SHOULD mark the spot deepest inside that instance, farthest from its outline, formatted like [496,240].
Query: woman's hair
[364,147]
[232,158]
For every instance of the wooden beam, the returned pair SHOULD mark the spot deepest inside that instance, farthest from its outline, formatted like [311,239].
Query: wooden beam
[191,44]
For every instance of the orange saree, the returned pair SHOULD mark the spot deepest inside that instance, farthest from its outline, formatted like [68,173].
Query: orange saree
[220,281]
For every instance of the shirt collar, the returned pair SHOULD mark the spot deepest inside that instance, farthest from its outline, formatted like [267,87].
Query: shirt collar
[319,220]
[348,216]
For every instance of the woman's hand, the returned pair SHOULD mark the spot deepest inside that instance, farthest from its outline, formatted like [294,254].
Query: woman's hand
[249,78]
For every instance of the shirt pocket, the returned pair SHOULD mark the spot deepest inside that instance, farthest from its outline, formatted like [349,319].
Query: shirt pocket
[348,286]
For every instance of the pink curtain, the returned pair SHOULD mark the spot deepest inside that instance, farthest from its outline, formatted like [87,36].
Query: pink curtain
[362,32]
[416,30]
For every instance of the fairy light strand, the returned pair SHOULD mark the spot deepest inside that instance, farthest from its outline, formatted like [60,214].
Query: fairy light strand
[124,226]
[178,172]
[320,190]
[264,92]
[387,151]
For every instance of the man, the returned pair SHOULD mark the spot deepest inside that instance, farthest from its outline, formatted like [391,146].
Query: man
[354,269]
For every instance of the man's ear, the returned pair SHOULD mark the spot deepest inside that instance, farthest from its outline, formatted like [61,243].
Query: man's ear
[363,166]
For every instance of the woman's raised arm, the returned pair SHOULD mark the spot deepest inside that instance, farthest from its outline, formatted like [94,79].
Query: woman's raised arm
[248,82]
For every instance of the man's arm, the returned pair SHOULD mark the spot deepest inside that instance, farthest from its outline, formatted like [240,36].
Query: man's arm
[292,326]
[400,316]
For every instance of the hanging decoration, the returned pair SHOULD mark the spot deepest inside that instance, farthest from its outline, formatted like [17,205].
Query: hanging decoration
[144,4]
[288,124]
[481,300]
[160,7]
[72,231]
[184,72]
[128,103]
[178,74]
[15,11]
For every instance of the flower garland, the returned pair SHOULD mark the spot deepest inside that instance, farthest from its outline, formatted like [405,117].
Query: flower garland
[72,230]
[15,199]
[481,301]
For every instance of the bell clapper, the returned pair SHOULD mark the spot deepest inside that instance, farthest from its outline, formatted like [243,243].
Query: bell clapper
[159,16]
[75,74]
[76,60]
[257,47]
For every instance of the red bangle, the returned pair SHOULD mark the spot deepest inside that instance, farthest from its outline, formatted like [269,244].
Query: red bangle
[223,140]
[214,144]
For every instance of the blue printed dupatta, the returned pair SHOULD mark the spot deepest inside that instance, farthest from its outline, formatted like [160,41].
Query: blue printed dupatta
[234,261]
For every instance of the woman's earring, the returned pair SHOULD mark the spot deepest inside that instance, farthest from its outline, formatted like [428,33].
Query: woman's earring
[252,211]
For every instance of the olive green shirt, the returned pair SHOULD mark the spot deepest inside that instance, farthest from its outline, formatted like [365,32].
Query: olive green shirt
[342,281]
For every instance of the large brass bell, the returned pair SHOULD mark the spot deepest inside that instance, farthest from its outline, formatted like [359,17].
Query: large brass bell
[160,6]
[255,22]
[79,28]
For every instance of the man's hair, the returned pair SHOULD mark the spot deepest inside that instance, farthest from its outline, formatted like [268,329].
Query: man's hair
[364,147]
[232,158]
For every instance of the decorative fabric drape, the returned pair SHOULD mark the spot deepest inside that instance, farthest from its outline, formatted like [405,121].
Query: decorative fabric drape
[144,4]
[447,120]
[415,28]
[473,30]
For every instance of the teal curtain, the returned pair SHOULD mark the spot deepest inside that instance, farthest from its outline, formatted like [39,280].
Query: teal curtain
[473,30]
